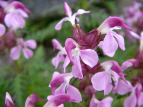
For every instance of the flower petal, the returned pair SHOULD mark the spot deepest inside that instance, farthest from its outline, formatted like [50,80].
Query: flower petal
[106,102]
[56,60]
[31,100]
[30,43]
[74,94]
[69,45]
[130,101]
[89,57]
[14,20]
[99,80]
[120,40]
[8,101]
[109,47]
[76,68]
[15,53]
[27,53]
[2,29]
[56,44]
[66,62]
[59,25]
[111,22]
[80,11]
[67,9]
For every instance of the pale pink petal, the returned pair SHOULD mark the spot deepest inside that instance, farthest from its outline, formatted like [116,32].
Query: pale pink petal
[106,102]
[140,100]
[108,87]
[13,20]
[74,94]
[59,25]
[94,102]
[128,63]
[57,100]
[2,29]
[27,53]
[135,35]
[123,88]
[80,11]
[22,13]
[3,4]
[120,40]
[109,47]
[99,80]
[56,44]
[61,89]
[66,62]
[8,97]
[15,53]
[67,9]
[76,68]
[89,57]
[130,101]
[69,45]
[31,100]
[30,43]
[56,60]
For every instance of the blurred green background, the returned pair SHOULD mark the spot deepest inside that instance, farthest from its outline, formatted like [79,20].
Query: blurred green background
[24,77]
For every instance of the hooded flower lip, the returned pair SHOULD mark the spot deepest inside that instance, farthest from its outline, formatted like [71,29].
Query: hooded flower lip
[24,46]
[75,55]
[71,18]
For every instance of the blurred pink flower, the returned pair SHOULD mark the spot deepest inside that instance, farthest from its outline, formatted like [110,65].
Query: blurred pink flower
[2,30]
[16,12]
[24,46]
[9,101]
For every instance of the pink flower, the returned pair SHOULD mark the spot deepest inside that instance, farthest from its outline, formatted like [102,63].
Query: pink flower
[75,55]
[60,56]
[71,18]
[115,39]
[103,103]
[104,80]
[64,93]
[21,45]
[136,97]
[16,12]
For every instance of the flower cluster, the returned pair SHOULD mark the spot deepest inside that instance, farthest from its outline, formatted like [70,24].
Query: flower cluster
[13,16]
[80,61]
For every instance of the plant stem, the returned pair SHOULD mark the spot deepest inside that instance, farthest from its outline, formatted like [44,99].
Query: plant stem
[18,69]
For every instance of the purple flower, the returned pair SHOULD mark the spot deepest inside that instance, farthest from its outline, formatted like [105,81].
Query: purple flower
[75,55]
[64,93]
[115,39]
[71,18]
[31,100]
[16,12]
[8,101]
[60,56]
[24,46]
[136,97]
[103,103]
[107,79]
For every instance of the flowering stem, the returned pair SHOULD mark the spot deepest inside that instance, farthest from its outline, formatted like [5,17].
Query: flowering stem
[17,66]
[87,79]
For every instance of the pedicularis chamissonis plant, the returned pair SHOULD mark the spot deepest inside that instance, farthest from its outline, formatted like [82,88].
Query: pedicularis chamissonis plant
[80,52]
